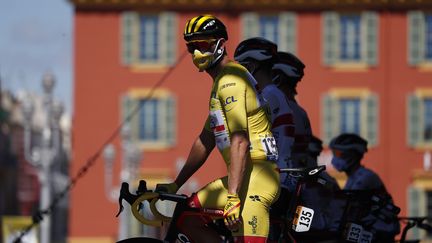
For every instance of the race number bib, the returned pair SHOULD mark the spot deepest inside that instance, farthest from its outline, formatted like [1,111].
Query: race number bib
[302,219]
[366,237]
[353,232]
[269,145]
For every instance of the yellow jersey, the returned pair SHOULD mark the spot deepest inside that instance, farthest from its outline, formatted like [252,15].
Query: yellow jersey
[236,105]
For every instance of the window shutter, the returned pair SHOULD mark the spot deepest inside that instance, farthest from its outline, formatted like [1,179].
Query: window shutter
[130,109]
[372,123]
[170,120]
[328,117]
[414,120]
[287,32]
[371,21]
[167,37]
[250,25]
[128,40]
[330,37]
[417,206]
[416,35]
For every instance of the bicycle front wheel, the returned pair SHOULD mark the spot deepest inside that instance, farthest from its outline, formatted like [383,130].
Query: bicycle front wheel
[140,240]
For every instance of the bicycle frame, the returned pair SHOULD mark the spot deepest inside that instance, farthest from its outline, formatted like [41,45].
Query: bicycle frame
[295,211]
[412,222]
[182,208]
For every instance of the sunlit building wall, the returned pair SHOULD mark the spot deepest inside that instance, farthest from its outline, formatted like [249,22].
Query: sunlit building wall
[368,71]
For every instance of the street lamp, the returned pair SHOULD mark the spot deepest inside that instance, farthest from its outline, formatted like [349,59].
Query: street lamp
[42,157]
[131,157]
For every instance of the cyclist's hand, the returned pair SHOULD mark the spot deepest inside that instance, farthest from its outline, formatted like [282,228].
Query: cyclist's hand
[232,212]
[168,188]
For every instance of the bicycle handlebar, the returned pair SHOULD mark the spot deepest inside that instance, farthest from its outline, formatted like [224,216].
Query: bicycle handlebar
[152,197]
[417,219]
[136,202]
[303,172]
[419,222]
[412,222]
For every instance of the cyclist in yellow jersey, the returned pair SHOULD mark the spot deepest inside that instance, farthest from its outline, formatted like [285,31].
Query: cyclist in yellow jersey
[238,125]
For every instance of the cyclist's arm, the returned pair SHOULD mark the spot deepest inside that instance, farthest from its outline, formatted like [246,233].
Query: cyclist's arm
[283,127]
[238,155]
[198,154]
[232,94]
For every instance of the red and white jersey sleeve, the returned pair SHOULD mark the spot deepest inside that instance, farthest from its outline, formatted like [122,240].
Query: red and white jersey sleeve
[302,135]
[282,124]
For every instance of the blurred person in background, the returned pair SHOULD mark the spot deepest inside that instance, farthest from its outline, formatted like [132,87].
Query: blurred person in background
[318,194]
[314,150]
[348,151]
[287,72]
[258,55]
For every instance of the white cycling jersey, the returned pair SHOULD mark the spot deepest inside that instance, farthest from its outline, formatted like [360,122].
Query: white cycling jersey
[282,120]
[302,135]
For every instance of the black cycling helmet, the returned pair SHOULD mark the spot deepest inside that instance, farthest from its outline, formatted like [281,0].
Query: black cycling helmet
[289,65]
[315,146]
[204,26]
[349,142]
[256,48]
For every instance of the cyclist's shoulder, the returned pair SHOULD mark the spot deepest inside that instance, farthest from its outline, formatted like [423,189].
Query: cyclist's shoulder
[233,66]
[271,90]
[366,173]
[364,179]
[276,99]
[233,72]
[298,110]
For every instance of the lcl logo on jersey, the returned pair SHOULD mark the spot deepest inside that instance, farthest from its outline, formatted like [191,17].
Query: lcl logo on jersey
[230,100]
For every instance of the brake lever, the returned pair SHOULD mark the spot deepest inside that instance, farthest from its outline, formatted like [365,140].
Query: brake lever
[129,197]
[142,187]
[123,190]
[120,208]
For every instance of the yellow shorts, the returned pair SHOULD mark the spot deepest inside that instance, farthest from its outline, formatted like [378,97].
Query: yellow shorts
[260,188]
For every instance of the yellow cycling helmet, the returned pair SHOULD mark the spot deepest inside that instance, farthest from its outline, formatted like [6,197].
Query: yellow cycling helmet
[204,26]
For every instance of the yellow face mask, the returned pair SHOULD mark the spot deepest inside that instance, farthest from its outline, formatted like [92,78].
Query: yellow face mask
[202,60]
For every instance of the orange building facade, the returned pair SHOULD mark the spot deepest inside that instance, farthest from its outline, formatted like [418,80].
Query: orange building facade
[368,71]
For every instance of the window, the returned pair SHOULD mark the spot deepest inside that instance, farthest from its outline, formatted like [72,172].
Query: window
[148,119]
[420,202]
[148,35]
[153,124]
[350,38]
[417,207]
[350,115]
[279,28]
[148,39]
[269,27]
[420,37]
[429,37]
[350,111]
[429,204]
[420,118]
[427,120]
